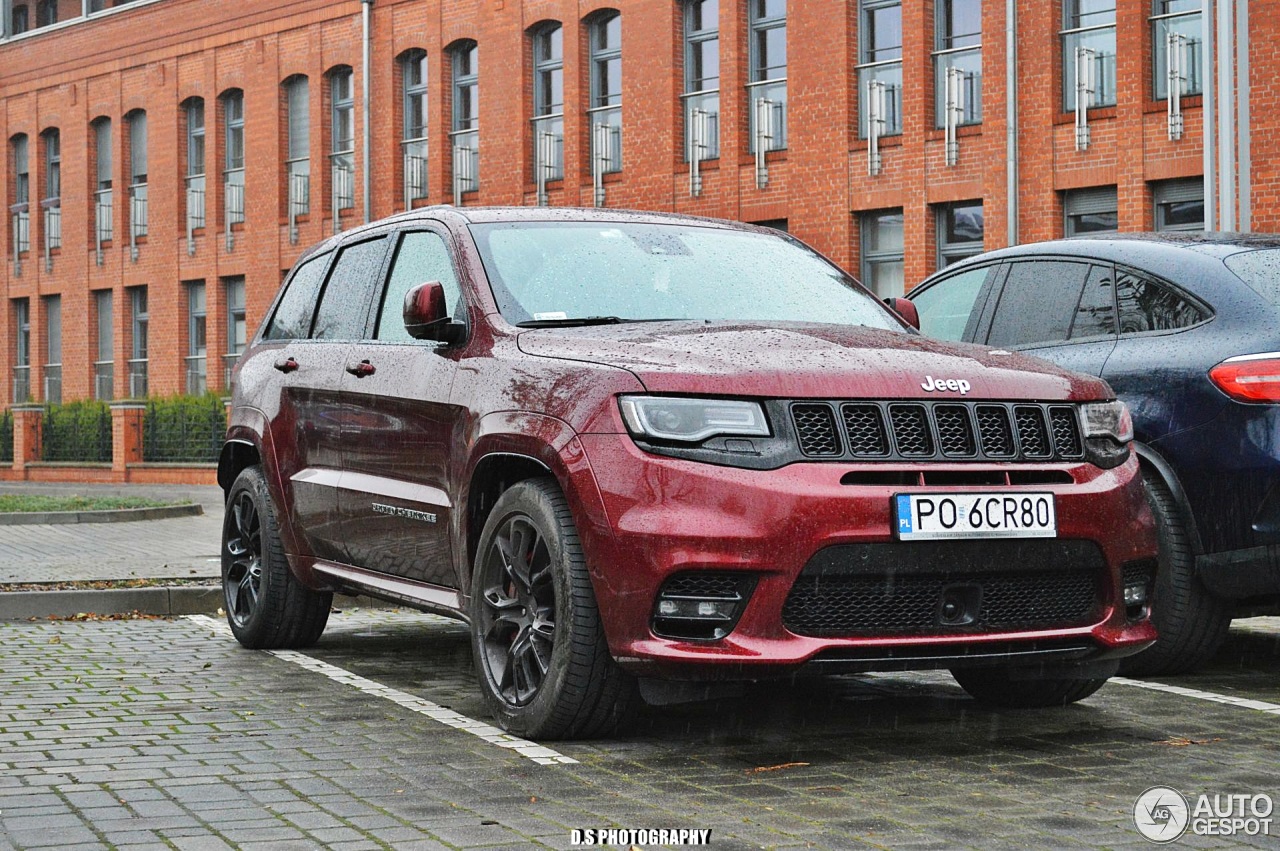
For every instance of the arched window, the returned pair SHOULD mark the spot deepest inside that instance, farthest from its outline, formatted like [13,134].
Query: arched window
[19,20]
[342,141]
[413,140]
[137,123]
[232,102]
[21,199]
[465,132]
[193,112]
[51,203]
[297,103]
[46,13]
[103,165]
[548,105]
[604,115]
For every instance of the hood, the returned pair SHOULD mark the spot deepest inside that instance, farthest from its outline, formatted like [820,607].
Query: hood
[798,360]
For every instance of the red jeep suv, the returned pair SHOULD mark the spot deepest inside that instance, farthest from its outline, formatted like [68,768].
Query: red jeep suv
[627,448]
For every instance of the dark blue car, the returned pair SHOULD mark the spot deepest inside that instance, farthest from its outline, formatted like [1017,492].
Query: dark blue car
[1186,329]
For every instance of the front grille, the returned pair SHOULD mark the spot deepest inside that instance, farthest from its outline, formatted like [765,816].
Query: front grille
[937,431]
[878,589]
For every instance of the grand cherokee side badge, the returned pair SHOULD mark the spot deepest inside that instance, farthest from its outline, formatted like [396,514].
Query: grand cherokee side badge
[939,385]
[407,513]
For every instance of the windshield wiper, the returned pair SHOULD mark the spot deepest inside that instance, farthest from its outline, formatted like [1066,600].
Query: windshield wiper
[571,322]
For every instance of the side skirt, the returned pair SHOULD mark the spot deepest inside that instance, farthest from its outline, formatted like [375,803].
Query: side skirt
[417,595]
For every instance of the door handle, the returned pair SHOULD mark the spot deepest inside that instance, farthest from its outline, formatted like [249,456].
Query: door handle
[361,369]
[286,365]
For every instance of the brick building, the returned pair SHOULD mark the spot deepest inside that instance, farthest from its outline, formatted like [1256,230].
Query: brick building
[168,159]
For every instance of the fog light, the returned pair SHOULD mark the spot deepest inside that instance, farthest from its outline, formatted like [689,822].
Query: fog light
[710,610]
[667,607]
[1136,594]
[701,606]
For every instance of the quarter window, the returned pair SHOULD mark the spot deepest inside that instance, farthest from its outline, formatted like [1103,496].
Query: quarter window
[422,256]
[1145,305]
[1096,313]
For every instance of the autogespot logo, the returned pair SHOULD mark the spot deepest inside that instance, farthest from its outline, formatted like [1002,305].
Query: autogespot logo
[1161,814]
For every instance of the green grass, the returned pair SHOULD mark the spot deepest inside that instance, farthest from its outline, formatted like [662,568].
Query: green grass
[18,502]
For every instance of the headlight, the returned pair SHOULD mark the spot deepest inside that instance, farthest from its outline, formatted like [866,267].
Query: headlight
[691,420]
[1107,419]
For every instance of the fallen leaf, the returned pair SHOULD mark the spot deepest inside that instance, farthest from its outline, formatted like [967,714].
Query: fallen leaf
[1182,742]
[763,768]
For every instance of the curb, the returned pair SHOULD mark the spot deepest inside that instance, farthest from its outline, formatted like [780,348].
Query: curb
[156,600]
[120,515]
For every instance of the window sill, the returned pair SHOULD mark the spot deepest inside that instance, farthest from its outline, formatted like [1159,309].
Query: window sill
[778,156]
[1188,102]
[703,166]
[964,131]
[885,142]
[1098,113]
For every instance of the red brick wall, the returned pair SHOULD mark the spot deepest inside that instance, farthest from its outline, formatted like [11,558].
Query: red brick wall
[156,56]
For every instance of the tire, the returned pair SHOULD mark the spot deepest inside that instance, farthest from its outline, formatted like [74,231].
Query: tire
[540,651]
[997,687]
[267,607]
[1191,622]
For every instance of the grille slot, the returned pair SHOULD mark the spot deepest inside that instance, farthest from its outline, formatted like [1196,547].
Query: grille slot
[1066,432]
[816,429]
[911,430]
[994,431]
[955,434]
[864,427]
[1032,436]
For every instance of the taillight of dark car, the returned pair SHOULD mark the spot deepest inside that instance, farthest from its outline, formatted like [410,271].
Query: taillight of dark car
[1249,378]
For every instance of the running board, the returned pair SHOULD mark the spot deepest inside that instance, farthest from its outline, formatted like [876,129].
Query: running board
[418,595]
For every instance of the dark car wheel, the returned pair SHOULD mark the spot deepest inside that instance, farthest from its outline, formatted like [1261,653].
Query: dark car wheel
[267,607]
[1191,622]
[999,688]
[540,651]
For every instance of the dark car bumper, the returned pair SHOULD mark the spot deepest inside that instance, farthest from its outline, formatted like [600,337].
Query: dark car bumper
[799,538]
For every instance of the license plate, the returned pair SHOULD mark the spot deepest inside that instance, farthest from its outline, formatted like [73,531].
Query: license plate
[1020,514]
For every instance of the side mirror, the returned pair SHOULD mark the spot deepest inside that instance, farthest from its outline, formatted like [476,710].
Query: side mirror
[906,309]
[426,316]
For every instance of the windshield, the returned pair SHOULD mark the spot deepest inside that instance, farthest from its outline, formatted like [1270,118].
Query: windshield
[545,272]
[1260,270]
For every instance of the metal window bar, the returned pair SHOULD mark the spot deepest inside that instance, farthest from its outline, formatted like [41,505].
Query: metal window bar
[774,91]
[233,203]
[195,210]
[21,236]
[954,113]
[960,57]
[104,217]
[104,380]
[343,175]
[606,157]
[197,375]
[53,383]
[548,137]
[875,125]
[702,133]
[137,217]
[21,384]
[52,230]
[763,139]
[138,378]
[299,194]
[1176,50]
[415,171]
[1086,86]
[466,163]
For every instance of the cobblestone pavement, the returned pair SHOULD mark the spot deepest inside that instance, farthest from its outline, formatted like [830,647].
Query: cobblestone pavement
[164,734]
[180,547]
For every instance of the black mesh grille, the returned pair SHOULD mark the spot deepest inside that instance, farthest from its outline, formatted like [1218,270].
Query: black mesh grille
[955,434]
[885,588]
[994,431]
[1031,432]
[1066,432]
[911,430]
[865,429]
[1134,572]
[816,428]
[702,584]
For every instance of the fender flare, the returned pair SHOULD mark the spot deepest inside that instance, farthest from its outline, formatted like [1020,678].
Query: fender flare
[1153,459]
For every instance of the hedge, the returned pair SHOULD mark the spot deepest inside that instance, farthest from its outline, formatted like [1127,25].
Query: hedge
[184,429]
[77,431]
[6,437]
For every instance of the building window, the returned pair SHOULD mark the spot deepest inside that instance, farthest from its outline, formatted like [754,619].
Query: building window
[104,364]
[958,53]
[1180,204]
[197,339]
[1176,34]
[767,88]
[960,231]
[342,141]
[880,66]
[465,135]
[604,116]
[52,349]
[46,13]
[139,319]
[20,208]
[1091,211]
[702,79]
[19,20]
[548,106]
[194,112]
[882,252]
[297,149]
[413,144]
[51,204]
[137,174]
[22,350]
[1089,52]
[237,330]
[102,200]
[233,163]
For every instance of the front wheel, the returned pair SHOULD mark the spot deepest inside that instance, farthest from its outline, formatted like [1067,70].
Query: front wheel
[999,688]
[540,651]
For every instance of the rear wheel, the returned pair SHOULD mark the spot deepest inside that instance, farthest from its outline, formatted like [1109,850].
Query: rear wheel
[540,651]
[267,607]
[1191,622]
[999,688]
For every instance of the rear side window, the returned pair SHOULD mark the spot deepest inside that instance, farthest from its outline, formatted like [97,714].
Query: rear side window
[1260,270]
[1038,302]
[945,307]
[1096,315]
[292,319]
[344,306]
[1146,305]
[422,256]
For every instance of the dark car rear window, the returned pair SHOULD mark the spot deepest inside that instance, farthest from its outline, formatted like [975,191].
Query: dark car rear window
[1260,270]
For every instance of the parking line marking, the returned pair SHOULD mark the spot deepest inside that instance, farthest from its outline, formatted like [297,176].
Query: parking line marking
[1242,702]
[434,711]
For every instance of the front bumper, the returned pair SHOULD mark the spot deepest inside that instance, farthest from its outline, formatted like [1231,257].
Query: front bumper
[659,516]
